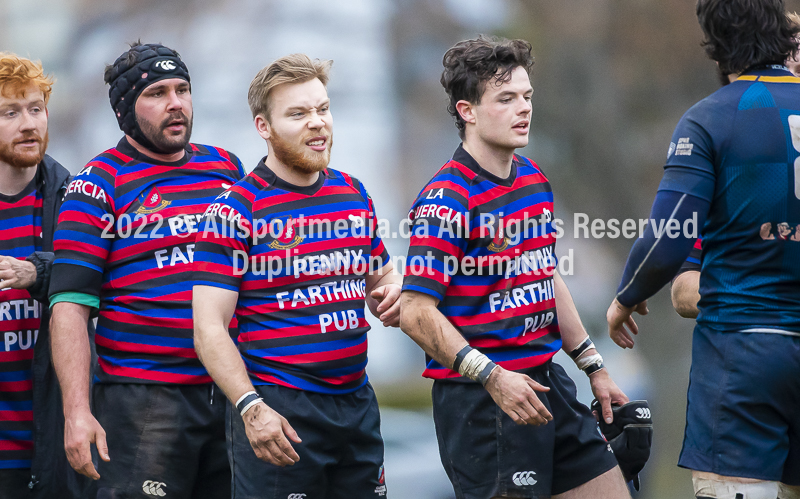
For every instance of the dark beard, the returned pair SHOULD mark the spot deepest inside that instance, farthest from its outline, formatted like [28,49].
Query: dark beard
[296,158]
[8,156]
[167,144]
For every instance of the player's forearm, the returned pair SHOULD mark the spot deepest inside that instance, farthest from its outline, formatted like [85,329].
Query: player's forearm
[69,341]
[425,324]
[212,310]
[385,275]
[686,294]
[221,359]
[569,322]
[658,255]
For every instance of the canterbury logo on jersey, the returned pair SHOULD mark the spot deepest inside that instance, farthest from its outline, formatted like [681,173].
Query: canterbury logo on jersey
[152,488]
[295,496]
[643,413]
[522,478]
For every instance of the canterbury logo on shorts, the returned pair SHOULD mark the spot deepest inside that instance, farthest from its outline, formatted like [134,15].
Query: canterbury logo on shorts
[522,478]
[152,488]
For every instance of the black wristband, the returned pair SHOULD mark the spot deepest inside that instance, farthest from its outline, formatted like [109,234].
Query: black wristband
[593,368]
[243,403]
[580,349]
[483,377]
[460,357]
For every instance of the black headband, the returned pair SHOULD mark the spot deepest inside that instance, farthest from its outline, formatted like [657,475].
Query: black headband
[134,71]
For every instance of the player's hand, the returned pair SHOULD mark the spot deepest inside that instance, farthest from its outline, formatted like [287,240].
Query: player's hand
[268,431]
[388,309]
[607,393]
[80,431]
[621,324]
[17,274]
[515,394]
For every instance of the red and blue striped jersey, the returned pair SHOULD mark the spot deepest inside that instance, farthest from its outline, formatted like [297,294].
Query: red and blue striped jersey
[298,257]
[126,233]
[20,235]
[695,259]
[485,248]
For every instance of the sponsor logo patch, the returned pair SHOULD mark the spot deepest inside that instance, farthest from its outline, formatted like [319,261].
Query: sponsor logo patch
[684,147]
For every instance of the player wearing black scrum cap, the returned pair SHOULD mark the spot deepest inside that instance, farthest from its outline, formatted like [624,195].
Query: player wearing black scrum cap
[124,249]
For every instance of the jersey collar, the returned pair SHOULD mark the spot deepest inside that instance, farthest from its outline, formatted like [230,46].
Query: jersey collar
[768,70]
[462,156]
[128,150]
[272,179]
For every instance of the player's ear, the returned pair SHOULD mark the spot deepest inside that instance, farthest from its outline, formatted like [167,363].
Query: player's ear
[466,110]
[263,127]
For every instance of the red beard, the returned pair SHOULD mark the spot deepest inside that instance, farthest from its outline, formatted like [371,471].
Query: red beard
[27,159]
[296,157]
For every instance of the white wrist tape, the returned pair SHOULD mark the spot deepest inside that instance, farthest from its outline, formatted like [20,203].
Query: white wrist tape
[472,365]
[585,362]
[248,406]
[730,489]
[582,354]
[244,397]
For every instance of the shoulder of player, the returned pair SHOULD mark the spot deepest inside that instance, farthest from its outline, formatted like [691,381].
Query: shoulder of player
[239,200]
[215,153]
[526,166]
[102,169]
[722,102]
[450,185]
[347,178]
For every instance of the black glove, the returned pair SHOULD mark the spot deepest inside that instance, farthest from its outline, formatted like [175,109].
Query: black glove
[630,436]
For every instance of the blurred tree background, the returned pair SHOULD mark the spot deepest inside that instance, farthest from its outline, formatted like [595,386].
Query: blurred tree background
[611,79]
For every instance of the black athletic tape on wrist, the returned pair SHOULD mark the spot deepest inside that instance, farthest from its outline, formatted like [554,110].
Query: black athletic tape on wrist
[460,357]
[581,349]
[244,402]
[593,368]
[483,377]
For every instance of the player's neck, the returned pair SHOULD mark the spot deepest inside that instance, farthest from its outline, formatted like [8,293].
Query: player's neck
[289,174]
[161,158]
[13,179]
[494,160]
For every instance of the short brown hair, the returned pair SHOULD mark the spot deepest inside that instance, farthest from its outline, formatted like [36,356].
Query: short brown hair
[293,68]
[470,64]
[16,73]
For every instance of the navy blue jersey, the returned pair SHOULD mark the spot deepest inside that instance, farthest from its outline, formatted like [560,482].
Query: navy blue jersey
[744,139]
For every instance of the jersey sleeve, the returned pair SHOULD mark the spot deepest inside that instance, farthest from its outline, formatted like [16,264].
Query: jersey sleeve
[439,236]
[690,158]
[85,231]
[222,250]
[379,256]
[236,161]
